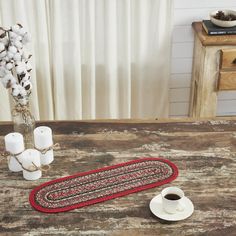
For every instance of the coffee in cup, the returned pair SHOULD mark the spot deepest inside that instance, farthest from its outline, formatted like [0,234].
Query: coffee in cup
[172,200]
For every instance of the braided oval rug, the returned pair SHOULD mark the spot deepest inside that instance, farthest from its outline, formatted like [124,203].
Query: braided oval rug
[102,184]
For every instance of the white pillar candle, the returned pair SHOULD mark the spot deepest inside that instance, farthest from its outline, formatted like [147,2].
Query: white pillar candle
[30,157]
[42,140]
[14,143]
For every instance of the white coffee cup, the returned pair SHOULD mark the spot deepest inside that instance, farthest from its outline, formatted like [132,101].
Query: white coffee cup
[172,200]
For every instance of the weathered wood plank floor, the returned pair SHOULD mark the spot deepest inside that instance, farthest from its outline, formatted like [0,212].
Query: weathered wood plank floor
[204,152]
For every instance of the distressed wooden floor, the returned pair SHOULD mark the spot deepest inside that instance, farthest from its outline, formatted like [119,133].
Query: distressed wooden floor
[204,152]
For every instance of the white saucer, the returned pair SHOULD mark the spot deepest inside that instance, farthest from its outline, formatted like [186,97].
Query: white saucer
[157,209]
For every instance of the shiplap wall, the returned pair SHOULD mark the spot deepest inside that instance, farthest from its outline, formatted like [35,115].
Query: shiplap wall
[185,12]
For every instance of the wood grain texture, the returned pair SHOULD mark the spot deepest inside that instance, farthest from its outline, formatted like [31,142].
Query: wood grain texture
[203,100]
[208,40]
[204,152]
[227,80]
[228,59]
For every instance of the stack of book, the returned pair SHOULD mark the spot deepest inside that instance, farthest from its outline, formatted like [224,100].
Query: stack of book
[212,29]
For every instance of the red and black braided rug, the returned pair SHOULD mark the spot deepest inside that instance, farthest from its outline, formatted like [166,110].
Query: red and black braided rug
[103,184]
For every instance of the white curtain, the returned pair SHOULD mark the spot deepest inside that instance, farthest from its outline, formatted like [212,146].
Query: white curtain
[94,58]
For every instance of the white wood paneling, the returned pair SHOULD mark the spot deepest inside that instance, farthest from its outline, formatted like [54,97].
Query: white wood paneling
[182,33]
[180,81]
[187,16]
[226,107]
[182,50]
[181,65]
[223,4]
[227,95]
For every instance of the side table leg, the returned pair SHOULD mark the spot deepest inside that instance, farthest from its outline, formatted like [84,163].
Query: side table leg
[203,101]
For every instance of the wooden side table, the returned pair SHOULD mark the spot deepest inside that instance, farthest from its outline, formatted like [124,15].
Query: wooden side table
[214,69]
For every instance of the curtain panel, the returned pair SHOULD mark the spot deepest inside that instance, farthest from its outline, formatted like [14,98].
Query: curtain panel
[94,58]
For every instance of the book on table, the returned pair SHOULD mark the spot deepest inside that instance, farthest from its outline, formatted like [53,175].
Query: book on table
[212,29]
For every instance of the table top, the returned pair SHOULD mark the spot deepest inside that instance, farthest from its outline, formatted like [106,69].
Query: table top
[212,40]
[204,152]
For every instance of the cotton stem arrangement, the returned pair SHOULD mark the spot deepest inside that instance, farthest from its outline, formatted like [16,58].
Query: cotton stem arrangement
[15,67]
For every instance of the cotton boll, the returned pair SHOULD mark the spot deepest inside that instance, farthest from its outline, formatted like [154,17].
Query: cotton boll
[15,86]
[26,38]
[15,28]
[2,33]
[5,41]
[2,71]
[12,49]
[25,55]
[22,64]
[25,77]
[18,44]
[10,55]
[28,66]
[12,35]
[9,66]
[3,54]
[8,80]
[10,77]
[3,63]
[22,77]
[20,51]
[13,80]
[19,38]
[20,68]
[27,85]
[2,46]
[2,67]
[7,58]
[17,57]
[16,90]
[23,92]
[21,31]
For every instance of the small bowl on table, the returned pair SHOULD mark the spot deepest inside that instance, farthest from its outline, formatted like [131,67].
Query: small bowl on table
[223,18]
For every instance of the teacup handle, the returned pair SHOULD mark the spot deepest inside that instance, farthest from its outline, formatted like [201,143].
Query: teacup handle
[181,206]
